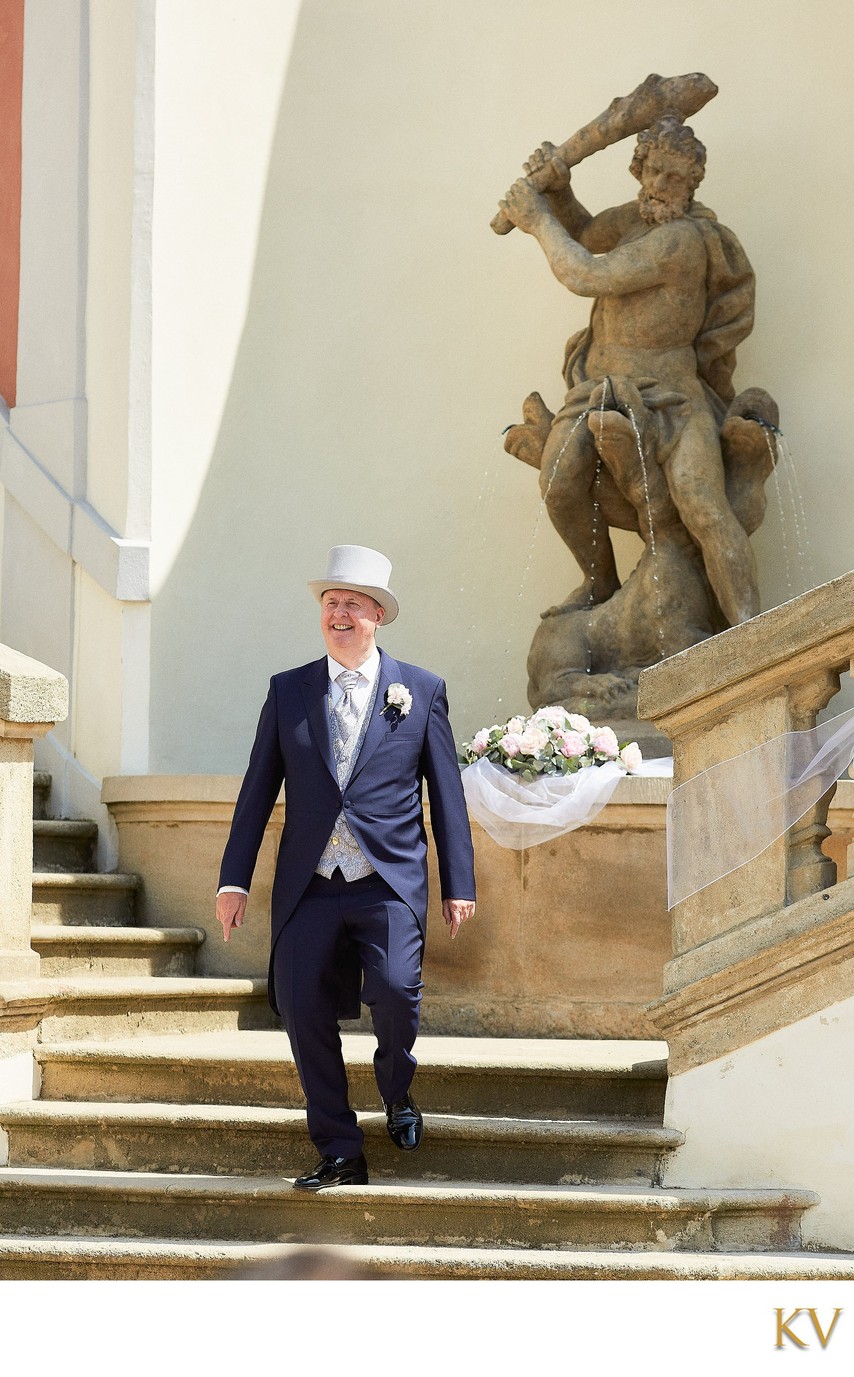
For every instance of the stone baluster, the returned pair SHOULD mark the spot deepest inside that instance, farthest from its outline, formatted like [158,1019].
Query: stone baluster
[33,698]
[763,945]
[808,870]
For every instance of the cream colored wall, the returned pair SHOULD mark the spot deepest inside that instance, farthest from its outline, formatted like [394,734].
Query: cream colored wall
[112,46]
[97,706]
[389,336]
[268,225]
[74,458]
[220,69]
[48,414]
[37,596]
[775,1113]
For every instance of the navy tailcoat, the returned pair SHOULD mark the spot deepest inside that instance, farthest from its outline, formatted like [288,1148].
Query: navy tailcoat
[382,800]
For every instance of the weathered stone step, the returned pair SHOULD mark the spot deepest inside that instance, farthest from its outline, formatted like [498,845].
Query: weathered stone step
[84,899]
[264,1142]
[64,845]
[134,1259]
[80,951]
[519,1077]
[41,793]
[266,1209]
[104,1007]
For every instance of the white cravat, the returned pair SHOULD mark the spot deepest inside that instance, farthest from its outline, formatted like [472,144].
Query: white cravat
[360,695]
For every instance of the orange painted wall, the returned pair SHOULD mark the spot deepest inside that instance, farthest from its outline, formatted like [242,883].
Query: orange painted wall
[11,82]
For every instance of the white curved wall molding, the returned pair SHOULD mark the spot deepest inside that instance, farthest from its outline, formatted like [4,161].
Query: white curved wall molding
[120,566]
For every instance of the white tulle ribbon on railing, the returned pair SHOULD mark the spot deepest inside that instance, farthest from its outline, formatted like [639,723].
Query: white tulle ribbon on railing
[517,814]
[730,813]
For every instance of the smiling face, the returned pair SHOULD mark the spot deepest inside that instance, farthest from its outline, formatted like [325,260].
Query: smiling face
[349,622]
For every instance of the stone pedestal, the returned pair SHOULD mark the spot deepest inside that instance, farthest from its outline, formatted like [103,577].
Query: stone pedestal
[17,960]
[570,938]
[33,698]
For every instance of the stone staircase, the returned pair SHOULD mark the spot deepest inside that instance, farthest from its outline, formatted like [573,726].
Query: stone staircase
[169,1120]
[109,977]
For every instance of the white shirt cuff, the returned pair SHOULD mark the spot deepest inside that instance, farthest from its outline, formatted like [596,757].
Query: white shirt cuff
[232,889]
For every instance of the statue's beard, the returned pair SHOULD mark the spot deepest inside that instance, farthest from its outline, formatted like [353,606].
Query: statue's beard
[657,212]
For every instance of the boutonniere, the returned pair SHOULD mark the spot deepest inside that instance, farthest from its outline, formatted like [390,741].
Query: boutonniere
[398,700]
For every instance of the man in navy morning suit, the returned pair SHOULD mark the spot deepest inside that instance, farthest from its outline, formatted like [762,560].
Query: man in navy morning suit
[353,735]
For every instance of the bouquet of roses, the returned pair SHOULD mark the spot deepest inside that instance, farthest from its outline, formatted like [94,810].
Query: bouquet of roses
[550,742]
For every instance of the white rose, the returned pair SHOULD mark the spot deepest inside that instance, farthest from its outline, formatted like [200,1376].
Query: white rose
[549,717]
[398,696]
[532,741]
[631,756]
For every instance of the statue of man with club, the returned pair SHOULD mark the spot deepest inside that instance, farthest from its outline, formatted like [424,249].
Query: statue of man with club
[673,296]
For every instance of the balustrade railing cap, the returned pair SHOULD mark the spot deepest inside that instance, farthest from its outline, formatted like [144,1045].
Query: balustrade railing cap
[773,640]
[29,690]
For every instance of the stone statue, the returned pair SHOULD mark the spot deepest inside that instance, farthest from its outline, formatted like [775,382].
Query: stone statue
[651,436]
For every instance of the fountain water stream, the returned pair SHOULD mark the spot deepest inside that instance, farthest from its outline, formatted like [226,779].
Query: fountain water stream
[791,513]
[655,563]
[582,646]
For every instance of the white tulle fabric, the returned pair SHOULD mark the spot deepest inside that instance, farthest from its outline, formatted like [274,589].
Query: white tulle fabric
[518,814]
[730,813]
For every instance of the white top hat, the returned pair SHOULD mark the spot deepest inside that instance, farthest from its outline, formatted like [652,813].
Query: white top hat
[363,570]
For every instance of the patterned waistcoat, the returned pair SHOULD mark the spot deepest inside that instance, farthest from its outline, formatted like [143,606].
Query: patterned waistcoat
[342,849]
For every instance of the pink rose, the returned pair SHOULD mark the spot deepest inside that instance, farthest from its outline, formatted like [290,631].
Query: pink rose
[516,726]
[572,744]
[631,756]
[480,742]
[578,723]
[533,741]
[510,744]
[606,743]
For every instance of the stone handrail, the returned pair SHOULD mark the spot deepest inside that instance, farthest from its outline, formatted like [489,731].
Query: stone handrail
[33,698]
[766,944]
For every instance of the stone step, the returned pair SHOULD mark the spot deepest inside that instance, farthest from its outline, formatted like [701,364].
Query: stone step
[81,951]
[36,1202]
[64,845]
[41,793]
[215,1139]
[117,1007]
[516,1077]
[84,899]
[133,1259]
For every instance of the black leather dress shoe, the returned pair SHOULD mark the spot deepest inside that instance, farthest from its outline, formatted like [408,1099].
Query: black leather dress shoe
[334,1171]
[405,1124]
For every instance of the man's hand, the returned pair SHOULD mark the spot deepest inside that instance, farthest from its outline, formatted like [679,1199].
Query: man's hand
[455,912]
[230,908]
[547,156]
[525,206]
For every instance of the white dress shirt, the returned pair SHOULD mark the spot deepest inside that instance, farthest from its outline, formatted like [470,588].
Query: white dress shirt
[362,692]
[360,695]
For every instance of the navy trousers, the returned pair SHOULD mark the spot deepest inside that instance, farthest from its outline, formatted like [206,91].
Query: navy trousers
[333,917]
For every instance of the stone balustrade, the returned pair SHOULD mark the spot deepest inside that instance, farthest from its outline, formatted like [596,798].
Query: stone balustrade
[33,698]
[773,941]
